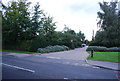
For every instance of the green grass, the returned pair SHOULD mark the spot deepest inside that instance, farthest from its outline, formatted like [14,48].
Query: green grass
[15,51]
[105,56]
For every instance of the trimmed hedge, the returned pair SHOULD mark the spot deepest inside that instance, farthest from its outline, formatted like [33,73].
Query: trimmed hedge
[55,48]
[114,49]
[102,48]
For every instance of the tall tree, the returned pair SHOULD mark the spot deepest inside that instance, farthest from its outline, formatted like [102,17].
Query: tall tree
[48,28]
[48,25]
[16,21]
[36,20]
[108,23]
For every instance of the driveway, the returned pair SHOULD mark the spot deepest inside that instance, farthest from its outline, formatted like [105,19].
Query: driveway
[76,54]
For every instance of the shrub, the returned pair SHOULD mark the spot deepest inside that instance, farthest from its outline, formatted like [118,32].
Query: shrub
[25,45]
[55,48]
[77,44]
[101,48]
[113,49]
[65,47]
[96,48]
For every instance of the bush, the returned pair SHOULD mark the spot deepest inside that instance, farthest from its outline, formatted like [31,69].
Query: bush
[25,45]
[96,48]
[113,49]
[43,50]
[65,47]
[77,44]
[102,48]
[55,48]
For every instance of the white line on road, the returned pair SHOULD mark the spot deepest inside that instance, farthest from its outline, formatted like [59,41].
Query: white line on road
[86,65]
[76,64]
[65,78]
[66,62]
[29,70]
[54,57]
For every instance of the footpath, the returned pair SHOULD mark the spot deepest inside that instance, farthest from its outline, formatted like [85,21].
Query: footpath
[106,65]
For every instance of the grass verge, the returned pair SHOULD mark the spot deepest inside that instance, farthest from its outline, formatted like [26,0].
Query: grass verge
[15,51]
[105,56]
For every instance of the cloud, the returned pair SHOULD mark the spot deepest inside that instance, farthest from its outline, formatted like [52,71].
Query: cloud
[86,7]
[76,14]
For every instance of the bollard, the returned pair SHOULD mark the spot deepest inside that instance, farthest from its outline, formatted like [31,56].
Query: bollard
[91,53]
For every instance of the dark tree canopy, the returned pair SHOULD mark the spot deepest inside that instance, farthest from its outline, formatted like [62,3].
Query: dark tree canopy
[28,30]
[109,33]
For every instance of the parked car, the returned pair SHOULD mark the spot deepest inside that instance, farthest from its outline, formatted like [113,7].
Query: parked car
[83,45]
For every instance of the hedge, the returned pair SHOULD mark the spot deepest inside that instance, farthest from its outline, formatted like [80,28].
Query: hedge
[55,48]
[102,48]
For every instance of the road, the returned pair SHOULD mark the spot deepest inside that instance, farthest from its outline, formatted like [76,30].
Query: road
[40,67]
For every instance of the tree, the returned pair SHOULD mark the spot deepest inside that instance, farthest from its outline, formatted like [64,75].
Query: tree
[16,22]
[26,31]
[36,20]
[70,38]
[48,26]
[108,34]
[108,13]
[87,42]
[68,30]
[81,36]
[101,38]
[47,29]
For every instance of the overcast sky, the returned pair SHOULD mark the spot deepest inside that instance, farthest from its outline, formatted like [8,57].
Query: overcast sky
[79,15]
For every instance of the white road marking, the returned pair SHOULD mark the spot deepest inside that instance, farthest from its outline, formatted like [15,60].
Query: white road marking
[66,63]
[76,63]
[37,55]
[29,70]
[54,57]
[65,78]
[86,65]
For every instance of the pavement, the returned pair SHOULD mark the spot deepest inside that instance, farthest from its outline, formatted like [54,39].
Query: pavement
[106,65]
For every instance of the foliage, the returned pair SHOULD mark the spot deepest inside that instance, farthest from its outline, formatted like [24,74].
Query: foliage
[109,34]
[96,48]
[16,23]
[27,30]
[81,35]
[36,22]
[26,45]
[102,48]
[55,48]
[69,40]
[87,42]
[113,49]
